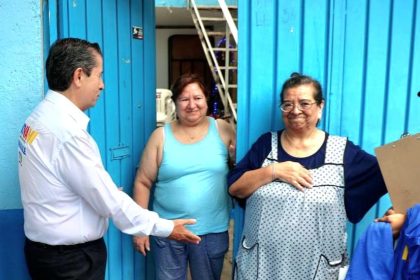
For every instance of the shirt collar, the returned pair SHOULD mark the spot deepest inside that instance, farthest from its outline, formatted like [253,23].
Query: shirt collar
[67,106]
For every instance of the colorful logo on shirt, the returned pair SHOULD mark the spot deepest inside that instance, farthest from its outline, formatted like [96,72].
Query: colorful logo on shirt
[27,136]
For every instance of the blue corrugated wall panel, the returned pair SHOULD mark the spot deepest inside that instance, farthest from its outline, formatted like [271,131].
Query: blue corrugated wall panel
[124,116]
[366,54]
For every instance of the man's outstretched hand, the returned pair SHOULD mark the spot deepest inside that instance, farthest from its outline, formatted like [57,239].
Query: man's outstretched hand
[180,233]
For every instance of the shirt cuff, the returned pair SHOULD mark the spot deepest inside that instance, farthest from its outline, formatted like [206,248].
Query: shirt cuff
[163,228]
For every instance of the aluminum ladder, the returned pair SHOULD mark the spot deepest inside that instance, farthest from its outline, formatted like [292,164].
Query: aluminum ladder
[215,24]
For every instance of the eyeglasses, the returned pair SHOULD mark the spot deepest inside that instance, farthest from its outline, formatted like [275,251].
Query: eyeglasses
[302,106]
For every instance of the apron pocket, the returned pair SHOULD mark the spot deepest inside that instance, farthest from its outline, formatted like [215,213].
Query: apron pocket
[328,269]
[246,266]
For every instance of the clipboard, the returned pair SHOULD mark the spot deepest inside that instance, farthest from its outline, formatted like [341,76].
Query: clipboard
[399,162]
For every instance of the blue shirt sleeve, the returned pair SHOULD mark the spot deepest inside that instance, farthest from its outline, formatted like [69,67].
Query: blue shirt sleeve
[253,159]
[363,181]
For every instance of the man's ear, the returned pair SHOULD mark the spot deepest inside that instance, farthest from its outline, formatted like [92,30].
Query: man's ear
[77,76]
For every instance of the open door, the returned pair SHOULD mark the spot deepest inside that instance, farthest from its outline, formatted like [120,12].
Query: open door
[125,115]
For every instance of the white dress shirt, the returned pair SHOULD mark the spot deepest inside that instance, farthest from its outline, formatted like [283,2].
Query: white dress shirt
[67,195]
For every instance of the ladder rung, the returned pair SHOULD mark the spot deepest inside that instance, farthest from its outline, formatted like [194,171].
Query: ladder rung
[216,33]
[225,49]
[232,86]
[220,19]
[212,19]
[217,8]
[229,67]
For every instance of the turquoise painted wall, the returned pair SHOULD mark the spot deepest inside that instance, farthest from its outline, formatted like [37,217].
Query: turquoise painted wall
[21,88]
[21,84]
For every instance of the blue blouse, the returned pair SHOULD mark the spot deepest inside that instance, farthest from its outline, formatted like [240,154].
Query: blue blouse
[364,184]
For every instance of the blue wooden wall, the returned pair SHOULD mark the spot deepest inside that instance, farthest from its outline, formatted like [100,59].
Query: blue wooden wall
[365,53]
[124,116]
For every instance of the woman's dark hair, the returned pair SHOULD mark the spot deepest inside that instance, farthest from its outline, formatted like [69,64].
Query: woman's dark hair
[296,80]
[65,56]
[184,80]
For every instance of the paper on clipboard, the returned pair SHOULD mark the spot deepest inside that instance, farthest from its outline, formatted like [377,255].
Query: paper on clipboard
[399,162]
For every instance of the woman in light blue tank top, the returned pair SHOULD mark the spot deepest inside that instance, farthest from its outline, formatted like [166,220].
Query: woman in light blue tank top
[187,161]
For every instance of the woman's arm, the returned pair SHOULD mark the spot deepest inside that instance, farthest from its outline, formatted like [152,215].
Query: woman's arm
[228,135]
[250,181]
[288,171]
[364,184]
[145,177]
[248,175]
[149,165]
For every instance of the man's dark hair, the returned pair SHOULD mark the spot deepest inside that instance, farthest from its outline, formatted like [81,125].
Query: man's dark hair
[296,80]
[65,56]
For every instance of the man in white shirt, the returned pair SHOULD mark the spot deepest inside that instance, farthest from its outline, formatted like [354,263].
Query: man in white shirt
[67,195]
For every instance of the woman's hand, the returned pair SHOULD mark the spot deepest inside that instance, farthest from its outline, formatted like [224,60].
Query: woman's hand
[141,244]
[395,219]
[292,173]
